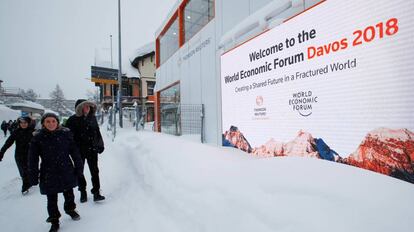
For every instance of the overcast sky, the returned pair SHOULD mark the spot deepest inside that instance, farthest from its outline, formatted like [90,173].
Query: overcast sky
[49,42]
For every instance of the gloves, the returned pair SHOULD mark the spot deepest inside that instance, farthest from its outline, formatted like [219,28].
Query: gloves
[1,155]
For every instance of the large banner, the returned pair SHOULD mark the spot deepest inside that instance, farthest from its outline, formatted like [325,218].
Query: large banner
[335,82]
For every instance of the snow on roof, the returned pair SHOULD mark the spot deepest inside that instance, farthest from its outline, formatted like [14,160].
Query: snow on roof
[144,50]
[8,114]
[261,19]
[103,59]
[170,14]
[28,104]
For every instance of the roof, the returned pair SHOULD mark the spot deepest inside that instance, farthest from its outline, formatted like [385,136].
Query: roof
[103,59]
[144,50]
[28,104]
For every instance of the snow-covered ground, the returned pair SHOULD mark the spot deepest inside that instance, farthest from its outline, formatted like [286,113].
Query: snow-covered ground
[157,182]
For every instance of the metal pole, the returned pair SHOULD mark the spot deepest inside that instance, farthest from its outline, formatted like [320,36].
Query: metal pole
[136,117]
[120,66]
[112,63]
[114,124]
[112,88]
[142,102]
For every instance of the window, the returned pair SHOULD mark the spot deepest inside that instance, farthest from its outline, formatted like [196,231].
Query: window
[197,13]
[188,19]
[150,87]
[169,41]
[170,110]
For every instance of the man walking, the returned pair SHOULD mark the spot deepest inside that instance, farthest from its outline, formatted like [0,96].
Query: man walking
[88,138]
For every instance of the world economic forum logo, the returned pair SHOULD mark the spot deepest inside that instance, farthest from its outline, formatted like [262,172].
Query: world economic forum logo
[303,102]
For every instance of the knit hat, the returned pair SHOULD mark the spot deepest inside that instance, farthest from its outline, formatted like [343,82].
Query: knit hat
[79,101]
[47,115]
[25,119]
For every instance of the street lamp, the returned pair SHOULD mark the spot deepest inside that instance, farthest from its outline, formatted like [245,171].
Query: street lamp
[119,100]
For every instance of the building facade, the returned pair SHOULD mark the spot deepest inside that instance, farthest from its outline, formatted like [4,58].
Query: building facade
[144,62]
[189,45]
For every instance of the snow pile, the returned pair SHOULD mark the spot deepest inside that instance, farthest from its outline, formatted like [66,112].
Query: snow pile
[156,182]
[144,50]
[28,104]
[8,114]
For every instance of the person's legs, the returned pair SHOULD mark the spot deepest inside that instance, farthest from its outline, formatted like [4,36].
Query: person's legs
[81,179]
[21,163]
[52,208]
[93,168]
[82,184]
[70,205]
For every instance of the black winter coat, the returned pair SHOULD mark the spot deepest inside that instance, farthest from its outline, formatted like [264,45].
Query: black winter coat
[22,138]
[86,133]
[61,162]
[4,125]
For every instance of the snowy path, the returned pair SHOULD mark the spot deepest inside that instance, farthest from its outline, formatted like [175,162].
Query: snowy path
[156,182]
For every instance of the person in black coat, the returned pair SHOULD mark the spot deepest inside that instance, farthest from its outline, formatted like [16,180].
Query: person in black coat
[60,167]
[10,127]
[4,127]
[21,136]
[87,135]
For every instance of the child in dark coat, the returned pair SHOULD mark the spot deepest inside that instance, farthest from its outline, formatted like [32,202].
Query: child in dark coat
[60,167]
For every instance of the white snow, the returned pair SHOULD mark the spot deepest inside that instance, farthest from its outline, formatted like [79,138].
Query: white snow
[29,104]
[258,20]
[103,59]
[157,182]
[145,49]
[8,114]
[51,111]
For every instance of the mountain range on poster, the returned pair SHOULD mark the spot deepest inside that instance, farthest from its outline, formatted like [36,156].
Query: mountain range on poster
[383,150]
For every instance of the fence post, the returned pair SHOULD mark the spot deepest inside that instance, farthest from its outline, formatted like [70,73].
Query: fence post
[136,116]
[202,123]
[114,124]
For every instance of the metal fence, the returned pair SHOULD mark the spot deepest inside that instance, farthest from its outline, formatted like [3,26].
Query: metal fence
[183,119]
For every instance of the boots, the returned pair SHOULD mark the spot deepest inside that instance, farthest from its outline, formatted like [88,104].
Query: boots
[83,196]
[55,223]
[25,189]
[74,215]
[98,197]
[54,227]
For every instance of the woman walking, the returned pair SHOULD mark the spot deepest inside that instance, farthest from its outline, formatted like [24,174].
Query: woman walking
[60,167]
[21,136]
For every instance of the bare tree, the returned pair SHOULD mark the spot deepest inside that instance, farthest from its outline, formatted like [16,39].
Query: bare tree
[93,95]
[29,95]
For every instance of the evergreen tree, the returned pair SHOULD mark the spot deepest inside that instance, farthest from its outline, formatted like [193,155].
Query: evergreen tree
[57,100]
